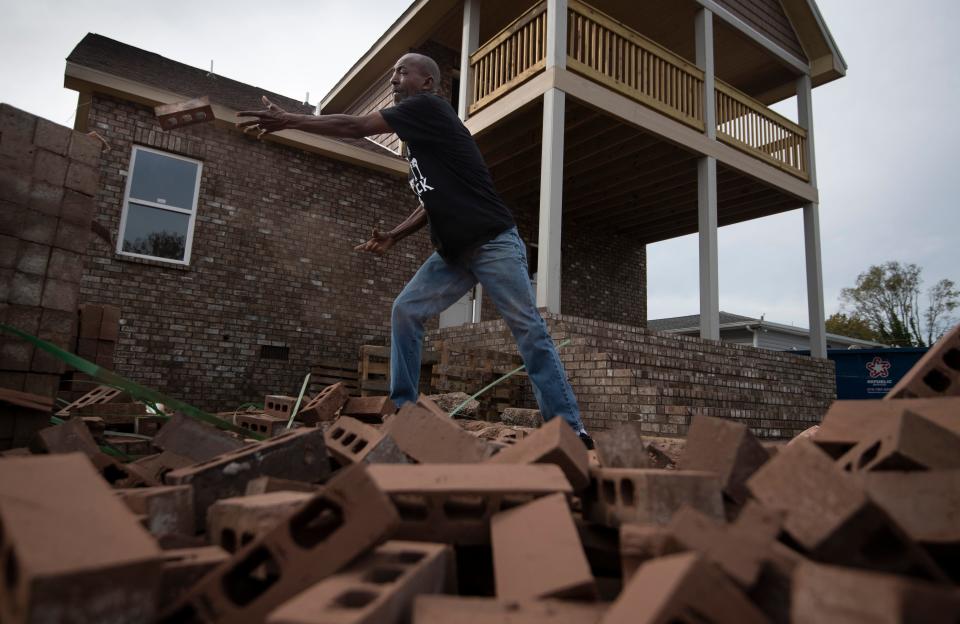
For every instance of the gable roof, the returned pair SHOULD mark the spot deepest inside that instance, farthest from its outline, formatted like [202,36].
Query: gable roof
[147,77]
[692,321]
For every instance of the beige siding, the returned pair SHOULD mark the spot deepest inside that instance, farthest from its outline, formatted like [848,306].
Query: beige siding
[768,17]
[377,97]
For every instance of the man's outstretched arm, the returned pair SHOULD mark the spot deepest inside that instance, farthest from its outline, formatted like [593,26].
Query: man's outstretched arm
[381,242]
[273,119]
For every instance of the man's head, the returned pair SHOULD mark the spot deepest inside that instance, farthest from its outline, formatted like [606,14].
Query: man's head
[412,74]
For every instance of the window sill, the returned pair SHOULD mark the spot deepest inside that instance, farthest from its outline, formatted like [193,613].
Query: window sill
[154,263]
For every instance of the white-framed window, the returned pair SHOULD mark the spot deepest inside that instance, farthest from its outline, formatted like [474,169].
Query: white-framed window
[159,206]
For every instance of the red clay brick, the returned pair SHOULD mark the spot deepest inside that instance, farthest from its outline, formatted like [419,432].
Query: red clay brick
[300,455]
[235,522]
[194,440]
[278,405]
[183,567]
[925,503]
[554,443]
[168,508]
[349,516]
[905,442]
[834,594]
[622,447]
[428,437]
[350,441]
[678,588]
[90,318]
[827,512]
[324,406]
[454,502]
[537,552]
[649,496]
[110,323]
[263,424]
[937,374]
[640,543]
[369,409]
[726,448]
[476,610]
[105,568]
[377,589]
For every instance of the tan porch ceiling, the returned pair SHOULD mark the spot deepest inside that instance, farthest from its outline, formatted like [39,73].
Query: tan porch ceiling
[618,177]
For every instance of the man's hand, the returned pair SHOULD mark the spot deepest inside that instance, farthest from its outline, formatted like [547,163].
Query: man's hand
[379,243]
[271,119]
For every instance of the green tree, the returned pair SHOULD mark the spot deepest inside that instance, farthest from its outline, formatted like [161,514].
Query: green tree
[851,326]
[887,299]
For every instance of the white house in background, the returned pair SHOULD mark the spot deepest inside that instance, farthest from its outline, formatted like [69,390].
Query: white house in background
[757,332]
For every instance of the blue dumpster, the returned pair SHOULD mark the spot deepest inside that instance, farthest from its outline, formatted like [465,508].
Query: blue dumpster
[871,373]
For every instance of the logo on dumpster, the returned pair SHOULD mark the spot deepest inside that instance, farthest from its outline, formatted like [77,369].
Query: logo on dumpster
[878,367]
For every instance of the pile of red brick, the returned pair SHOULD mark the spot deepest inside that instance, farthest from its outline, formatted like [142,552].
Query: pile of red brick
[363,513]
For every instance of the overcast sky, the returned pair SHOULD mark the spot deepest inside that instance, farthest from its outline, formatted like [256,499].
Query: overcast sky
[886,134]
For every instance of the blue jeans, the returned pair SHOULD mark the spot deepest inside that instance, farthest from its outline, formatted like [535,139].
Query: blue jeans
[500,265]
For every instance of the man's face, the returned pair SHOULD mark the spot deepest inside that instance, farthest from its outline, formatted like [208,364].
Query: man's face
[408,79]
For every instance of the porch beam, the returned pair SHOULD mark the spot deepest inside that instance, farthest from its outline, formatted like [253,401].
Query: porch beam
[469,43]
[557,33]
[551,201]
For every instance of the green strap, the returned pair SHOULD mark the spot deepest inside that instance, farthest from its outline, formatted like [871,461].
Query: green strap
[296,408]
[457,409]
[141,393]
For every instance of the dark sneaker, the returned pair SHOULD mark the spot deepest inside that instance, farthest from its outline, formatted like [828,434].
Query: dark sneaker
[586,439]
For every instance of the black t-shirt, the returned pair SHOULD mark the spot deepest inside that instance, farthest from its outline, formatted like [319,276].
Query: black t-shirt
[448,174]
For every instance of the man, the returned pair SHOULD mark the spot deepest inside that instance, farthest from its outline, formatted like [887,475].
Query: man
[472,229]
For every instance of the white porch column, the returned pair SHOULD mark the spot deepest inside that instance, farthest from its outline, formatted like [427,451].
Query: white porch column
[468,45]
[551,201]
[811,228]
[707,188]
[551,165]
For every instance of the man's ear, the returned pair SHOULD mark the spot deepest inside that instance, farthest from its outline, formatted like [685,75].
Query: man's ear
[428,84]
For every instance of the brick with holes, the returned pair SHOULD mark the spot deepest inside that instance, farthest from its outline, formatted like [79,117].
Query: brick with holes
[300,455]
[649,496]
[377,589]
[72,551]
[350,441]
[429,436]
[847,422]
[827,513]
[681,588]
[278,405]
[325,406]
[168,508]
[349,516]
[836,594]
[537,552]
[907,441]
[369,409]
[235,522]
[553,443]
[183,567]
[263,424]
[454,502]
[937,374]
[434,609]
[726,448]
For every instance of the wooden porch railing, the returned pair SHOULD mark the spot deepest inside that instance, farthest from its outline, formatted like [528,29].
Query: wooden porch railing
[744,123]
[610,53]
[518,52]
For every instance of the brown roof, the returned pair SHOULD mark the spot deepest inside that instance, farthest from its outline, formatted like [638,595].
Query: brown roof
[126,61]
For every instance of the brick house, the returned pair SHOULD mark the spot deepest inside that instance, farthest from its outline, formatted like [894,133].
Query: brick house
[598,120]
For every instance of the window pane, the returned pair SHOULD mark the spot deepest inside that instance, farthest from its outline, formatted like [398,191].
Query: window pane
[155,232]
[163,180]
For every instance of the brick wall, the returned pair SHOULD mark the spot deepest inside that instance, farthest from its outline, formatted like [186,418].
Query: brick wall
[272,263]
[47,182]
[620,373]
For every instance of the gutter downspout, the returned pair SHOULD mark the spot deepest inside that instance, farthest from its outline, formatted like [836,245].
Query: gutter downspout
[755,330]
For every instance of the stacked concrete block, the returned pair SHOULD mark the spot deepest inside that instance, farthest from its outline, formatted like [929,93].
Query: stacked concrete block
[48,179]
